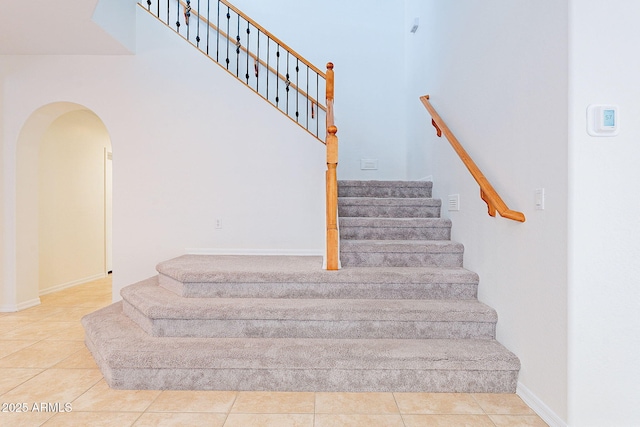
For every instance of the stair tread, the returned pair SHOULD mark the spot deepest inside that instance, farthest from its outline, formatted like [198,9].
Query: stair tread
[122,344]
[384,183]
[299,269]
[156,302]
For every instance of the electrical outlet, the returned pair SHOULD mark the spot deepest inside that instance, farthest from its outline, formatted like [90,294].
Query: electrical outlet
[368,164]
[218,224]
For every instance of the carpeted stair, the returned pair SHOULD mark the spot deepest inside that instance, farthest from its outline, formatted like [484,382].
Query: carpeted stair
[401,315]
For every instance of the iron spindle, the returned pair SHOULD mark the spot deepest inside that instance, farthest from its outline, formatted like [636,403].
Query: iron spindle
[277,75]
[187,15]
[158,9]
[228,26]
[307,92]
[198,26]
[178,16]
[149,5]
[258,63]
[297,88]
[168,13]
[268,50]
[287,84]
[248,32]
[317,103]
[238,48]
[208,23]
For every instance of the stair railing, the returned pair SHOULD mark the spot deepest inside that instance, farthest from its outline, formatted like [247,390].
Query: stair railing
[250,53]
[487,193]
[332,256]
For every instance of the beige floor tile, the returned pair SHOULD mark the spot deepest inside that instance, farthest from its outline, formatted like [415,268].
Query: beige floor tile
[356,403]
[194,401]
[447,421]
[269,420]
[258,402]
[82,359]
[74,332]
[517,421]
[29,419]
[437,403]
[41,354]
[150,419]
[13,377]
[502,404]
[93,419]
[54,385]
[102,398]
[8,324]
[358,420]
[11,346]
[39,330]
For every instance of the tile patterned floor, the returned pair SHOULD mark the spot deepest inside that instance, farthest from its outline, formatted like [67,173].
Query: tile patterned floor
[46,370]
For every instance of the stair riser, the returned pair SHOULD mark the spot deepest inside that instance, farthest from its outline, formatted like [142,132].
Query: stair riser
[435,290]
[207,328]
[388,211]
[384,192]
[387,259]
[394,233]
[316,380]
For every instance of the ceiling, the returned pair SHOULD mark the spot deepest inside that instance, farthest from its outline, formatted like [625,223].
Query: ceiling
[53,27]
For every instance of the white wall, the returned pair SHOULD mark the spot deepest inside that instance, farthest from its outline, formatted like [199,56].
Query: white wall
[190,145]
[71,201]
[604,297]
[497,73]
[364,40]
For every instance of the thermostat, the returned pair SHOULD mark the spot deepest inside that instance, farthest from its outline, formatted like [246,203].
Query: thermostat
[602,120]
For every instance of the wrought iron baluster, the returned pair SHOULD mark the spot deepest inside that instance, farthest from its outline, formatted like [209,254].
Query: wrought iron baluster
[248,32]
[198,27]
[317,103]
[168,13]
[278,75]
[228,26]
[208,23]
[218,34]
[268,51]
[297,88]
[158,9]
[238,44]
[178,16]
[287,84]
[187,15]
[307,92]
[258,63]
[149,5]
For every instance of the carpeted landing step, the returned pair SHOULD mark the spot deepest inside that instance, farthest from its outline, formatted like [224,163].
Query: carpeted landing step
[131,359]
[160,312]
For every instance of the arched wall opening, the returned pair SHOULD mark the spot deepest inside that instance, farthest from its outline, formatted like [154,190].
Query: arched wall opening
[63,193]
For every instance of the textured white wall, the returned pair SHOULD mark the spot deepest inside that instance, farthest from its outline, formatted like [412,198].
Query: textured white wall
[71,224]
[190,145]
[364,39]
[497,73]
[604,296]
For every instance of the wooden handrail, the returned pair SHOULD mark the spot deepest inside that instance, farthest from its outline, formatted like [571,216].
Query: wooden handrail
[331,177]
[487,193]
[255,57]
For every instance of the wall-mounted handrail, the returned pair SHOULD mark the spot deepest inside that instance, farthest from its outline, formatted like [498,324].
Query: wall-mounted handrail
[487,192]
[333,255]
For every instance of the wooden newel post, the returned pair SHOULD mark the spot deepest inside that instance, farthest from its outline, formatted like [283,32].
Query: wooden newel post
[332,178]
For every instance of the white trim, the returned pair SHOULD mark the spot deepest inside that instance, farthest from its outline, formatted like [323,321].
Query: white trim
[426,178]
[539,407]
[71,284]
[19,307]
[221,251]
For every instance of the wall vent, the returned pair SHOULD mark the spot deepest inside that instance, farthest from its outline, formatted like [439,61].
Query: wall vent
[454,202]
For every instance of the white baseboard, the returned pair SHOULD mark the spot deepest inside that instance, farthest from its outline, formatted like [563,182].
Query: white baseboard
[71,284]
[12,308]
[540,407]
[222,251]
[427,178]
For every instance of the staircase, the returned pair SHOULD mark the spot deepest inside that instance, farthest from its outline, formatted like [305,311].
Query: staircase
[401,315]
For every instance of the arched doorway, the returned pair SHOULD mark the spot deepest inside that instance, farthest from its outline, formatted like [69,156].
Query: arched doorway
[62,200]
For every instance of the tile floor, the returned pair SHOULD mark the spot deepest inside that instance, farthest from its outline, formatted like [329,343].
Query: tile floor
[46,369]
